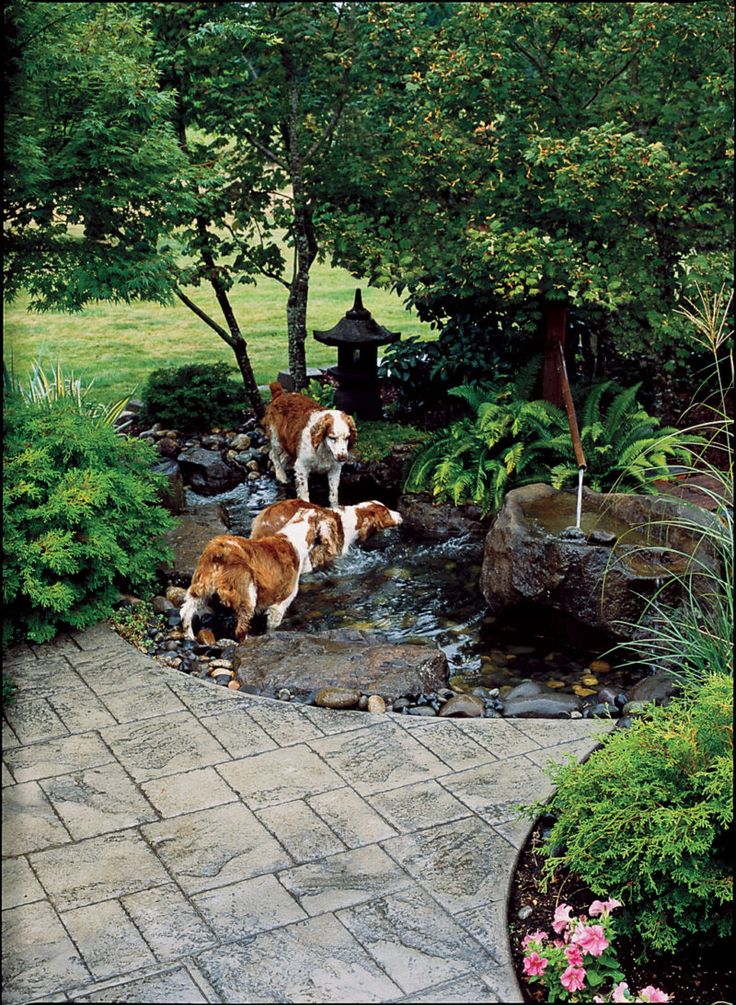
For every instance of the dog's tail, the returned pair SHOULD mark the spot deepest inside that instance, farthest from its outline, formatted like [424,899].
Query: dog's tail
[276,390]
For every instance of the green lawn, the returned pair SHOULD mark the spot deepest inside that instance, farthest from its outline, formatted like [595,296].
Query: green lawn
[117,345]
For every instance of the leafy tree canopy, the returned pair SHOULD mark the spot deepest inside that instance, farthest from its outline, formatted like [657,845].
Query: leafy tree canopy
[92,167]
[517,153]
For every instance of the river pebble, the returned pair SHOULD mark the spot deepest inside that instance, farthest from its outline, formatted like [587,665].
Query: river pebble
[465,706]
[176,595]
[376,704]
[336,697]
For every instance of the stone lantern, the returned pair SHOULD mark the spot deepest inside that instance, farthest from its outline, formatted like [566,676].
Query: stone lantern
[357,337]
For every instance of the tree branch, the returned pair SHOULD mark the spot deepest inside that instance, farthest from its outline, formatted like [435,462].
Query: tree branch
[610,80]
[203,316]
[335,118]
[271,154]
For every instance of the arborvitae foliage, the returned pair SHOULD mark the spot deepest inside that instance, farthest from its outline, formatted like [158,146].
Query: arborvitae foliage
[195,396]
[646,819]
[81,519]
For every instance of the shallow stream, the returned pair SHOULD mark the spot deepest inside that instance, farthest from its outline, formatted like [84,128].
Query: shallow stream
[428,592]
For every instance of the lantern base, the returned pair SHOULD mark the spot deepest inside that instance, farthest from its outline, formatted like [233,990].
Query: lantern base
[361,399]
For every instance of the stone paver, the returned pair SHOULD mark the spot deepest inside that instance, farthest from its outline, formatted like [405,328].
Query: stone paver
[107,939]
[168,840]
[39,958]
[215,847]
[29,820]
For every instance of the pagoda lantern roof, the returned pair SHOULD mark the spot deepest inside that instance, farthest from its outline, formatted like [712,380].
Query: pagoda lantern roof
[357,328]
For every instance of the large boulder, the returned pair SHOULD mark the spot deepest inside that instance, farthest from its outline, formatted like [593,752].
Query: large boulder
[172,492]
[601,577]
[206,472]
[379,478]
[303,663]
[425,518]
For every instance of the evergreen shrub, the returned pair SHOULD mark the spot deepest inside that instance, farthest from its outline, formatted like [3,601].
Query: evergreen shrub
[646,819]
[195,396]
[81,519]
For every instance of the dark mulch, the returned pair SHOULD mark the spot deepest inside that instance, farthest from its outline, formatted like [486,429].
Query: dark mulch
[697,975]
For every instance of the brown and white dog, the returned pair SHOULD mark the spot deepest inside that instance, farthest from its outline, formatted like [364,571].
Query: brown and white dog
[249,576]
[310,437]
[335,529]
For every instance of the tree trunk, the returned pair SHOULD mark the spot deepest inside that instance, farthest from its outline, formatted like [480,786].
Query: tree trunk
[240,349]
[296,327]
[305,252]
[555,322]
[236,341]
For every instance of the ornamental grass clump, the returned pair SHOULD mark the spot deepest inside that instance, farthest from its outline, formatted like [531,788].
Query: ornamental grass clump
[81,518]
[694,638]
[647,818]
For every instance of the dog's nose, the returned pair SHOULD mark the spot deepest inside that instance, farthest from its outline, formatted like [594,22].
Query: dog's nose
[341,457]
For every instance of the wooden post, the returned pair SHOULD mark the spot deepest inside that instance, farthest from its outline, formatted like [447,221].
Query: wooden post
[555,321]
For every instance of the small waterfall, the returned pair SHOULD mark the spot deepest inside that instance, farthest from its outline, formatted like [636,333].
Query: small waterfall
[579,511]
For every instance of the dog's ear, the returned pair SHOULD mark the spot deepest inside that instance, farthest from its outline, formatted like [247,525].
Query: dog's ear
[353,431]
[320,429]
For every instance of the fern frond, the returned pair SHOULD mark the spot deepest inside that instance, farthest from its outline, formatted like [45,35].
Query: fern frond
[591,410]
[562,474]
[622,405]
[476,394]
[526,378]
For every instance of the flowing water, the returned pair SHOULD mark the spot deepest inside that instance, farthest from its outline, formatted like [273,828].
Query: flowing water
[428,592]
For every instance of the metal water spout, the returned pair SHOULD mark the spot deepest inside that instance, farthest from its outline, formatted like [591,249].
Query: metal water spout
[577,445]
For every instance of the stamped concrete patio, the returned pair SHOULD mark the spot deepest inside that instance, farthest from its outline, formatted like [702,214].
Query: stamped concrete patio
[168,840]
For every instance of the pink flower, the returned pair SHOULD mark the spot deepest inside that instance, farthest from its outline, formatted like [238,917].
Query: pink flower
[591,939]
[561,918]
[558,943]
[538,936]
[603,907]
[650,994]
[534,965]
[573,956]
[620,993]
[573,978]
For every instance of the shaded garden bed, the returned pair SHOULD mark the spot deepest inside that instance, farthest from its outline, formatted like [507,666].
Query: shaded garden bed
[700,973]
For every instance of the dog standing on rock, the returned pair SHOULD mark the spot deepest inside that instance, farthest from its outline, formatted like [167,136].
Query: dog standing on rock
[310,437]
